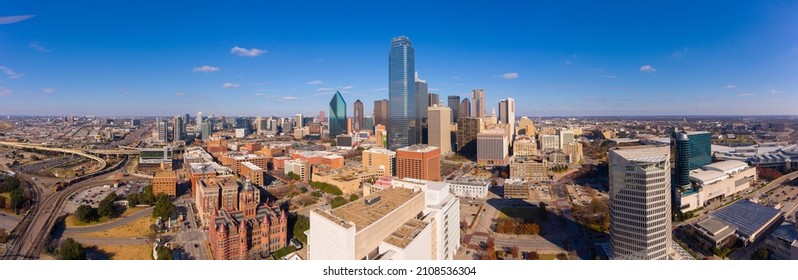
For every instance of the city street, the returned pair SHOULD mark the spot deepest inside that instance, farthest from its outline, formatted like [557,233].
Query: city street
[191,237]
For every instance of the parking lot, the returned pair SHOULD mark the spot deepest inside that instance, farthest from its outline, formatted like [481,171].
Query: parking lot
[784,198]
[94,195]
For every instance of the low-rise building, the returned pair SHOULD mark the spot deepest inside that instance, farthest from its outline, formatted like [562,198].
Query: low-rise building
[716,181]
[470,188]
[530,169]
[165,182]
[783,242]
[380,158]
[516,189]
[298,167]
[348,180]
[320,157]
[252,172]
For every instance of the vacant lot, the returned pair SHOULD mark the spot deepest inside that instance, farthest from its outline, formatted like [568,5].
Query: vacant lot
[137,228]
[126,252]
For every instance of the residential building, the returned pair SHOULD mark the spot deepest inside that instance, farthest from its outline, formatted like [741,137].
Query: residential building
[403,127]
[178,129]
[419,162]
[439,129]
[380,158]
[161,130]
[492,147]
[632,211]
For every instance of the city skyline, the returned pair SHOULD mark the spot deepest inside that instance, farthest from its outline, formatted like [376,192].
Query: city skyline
[554,59]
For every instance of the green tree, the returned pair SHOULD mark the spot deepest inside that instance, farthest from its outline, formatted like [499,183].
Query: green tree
[163,208]
[301,225]
[353,197]
[72,250]
[338,201]
[293,176]
[146,197]
[107,207]
[86,213]
[17,198]
[761,254]
[562,256]
[12,183]
[164,253]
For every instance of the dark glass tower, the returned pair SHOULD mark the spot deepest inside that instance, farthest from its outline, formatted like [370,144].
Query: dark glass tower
[402,128]
[337,115]
[693,150]
[453,101]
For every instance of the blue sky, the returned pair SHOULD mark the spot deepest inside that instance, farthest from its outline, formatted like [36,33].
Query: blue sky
[575,58]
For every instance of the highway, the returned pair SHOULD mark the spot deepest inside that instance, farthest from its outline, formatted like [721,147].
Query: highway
[102,162]
[30,236]
[106,226]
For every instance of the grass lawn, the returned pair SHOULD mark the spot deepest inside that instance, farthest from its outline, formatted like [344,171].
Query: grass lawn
[127,252]
[138,228]
[528,214]
[71,221]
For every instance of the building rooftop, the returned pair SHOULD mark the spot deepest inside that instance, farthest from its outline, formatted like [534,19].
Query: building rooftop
[645,154]
[380,151]
[716,228]
[726,166]
[251,166]
[706,177]
[166,174]
[748,217]
[208,168]
[786,231]
[406,233]
[362,214]
[418,148]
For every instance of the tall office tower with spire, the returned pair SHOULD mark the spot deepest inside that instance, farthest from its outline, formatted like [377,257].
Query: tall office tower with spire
[507,115]
[465,109]
[357,120]
[178,129]
[439,128]
[403,117]
[453,102]
[640,202]
[422,102]
[337,115]
[381,112]
[478,99]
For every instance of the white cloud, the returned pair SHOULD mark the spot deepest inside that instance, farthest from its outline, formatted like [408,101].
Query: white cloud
[5,91]
[647,69]
[38,47]
[253,52]
[260,94]
[14,19]
[289,98]
[315,82]
[180,94]
[48,90]
[775,91]
[329,90]
[11,74]
[730,86]
[347,88]
[380,89]
[747,94]
[325,89]
[206,69]
[230,85]
[512,75]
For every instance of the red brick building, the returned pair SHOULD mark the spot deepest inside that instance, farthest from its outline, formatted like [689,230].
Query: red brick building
[419,162]
[255,226]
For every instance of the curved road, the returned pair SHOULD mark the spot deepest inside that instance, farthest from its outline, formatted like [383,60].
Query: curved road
[102,162]
[110,225]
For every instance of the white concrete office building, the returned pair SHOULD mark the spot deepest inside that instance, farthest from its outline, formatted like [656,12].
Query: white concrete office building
[640,202]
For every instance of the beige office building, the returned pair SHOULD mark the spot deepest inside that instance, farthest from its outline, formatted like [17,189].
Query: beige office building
[380,158]
[439,128]
[492,147]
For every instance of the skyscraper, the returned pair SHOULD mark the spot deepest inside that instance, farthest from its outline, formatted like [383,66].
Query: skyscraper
[439,128]
[178,129]
[199,120]
[161,130]
[403,121]
[422,102]
[478,97]
[337,115]
[465,109]
[453,101]
[507,115]
[381,112]
[640,204]
[434,99]
[206,130]
[693,150]
[357,121]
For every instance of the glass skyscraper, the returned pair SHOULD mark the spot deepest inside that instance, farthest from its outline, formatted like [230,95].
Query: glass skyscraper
[403,116]
[337,115]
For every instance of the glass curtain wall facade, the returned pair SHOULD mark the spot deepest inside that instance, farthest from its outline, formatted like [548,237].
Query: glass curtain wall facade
[402,128]
[337,115]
